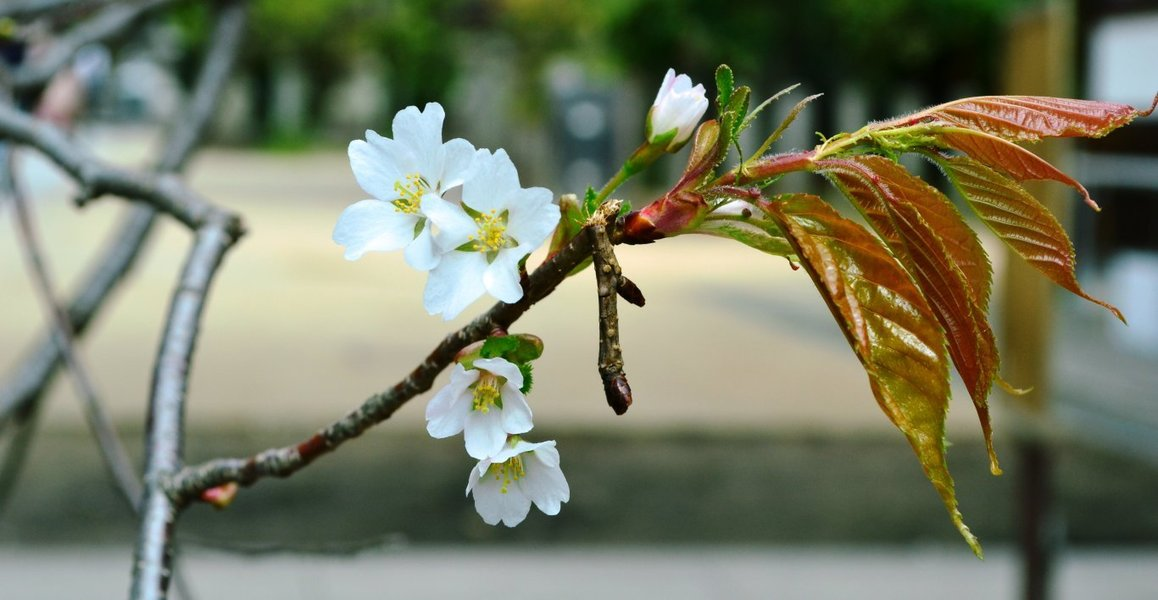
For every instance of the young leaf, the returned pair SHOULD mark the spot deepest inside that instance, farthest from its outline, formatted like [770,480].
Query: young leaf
[751,233]
[516,348]
[1031,118]
[724,86]
[889,325]
[760,108]
[1020,221]
[1008,158]
[873,177]
[942,253]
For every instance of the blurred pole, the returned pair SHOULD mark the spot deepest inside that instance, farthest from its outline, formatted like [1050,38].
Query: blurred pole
[1038,61]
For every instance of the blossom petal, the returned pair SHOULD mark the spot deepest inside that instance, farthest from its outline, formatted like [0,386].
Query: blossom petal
[516,413]
[483,433]
[454,284]
[375,169]
[503,368]
[423,254]
[457,160]
[545,485]
[501,277]
[493,505]
[455,227]
[373,225]
[492,183]
[533,216]
[447,410]
[421,132]
[665,87]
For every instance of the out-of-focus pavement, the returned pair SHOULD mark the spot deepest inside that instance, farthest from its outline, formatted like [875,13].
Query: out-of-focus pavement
[679,573]
[668,573]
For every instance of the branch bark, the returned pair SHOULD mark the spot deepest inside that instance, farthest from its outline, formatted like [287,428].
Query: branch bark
[610,283]
[164,442]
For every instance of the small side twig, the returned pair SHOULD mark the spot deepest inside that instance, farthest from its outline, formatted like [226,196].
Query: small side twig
[191,481]
[610,284]
[116,458]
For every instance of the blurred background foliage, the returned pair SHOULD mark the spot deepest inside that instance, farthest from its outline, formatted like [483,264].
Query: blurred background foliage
[420,45]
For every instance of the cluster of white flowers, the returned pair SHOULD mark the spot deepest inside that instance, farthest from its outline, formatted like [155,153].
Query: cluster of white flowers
[461,215]
[485,403]
[470,244]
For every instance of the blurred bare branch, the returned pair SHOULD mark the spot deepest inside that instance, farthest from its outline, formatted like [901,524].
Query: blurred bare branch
[110,22]
[31,377]
[30,9]
[116,458]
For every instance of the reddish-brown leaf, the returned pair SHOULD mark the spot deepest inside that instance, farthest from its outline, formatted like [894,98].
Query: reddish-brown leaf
[1020,221]
[888,323]
[1031,118]
[932,240]
[1009,158]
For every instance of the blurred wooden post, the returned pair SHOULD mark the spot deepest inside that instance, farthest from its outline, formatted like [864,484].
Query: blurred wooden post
[1038,61]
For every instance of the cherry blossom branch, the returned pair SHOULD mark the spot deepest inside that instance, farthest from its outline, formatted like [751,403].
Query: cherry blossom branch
[116,457]
[32,376]
[166,432]
[112,21]
[192,481]
[610,284]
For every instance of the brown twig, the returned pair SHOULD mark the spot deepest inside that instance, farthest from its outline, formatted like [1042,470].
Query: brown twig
[190,482]
[610,283]
[116,458]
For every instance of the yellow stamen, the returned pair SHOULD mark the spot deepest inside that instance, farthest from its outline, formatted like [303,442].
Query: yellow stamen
[486,393]
[492,229]
[410,193]
[507,472]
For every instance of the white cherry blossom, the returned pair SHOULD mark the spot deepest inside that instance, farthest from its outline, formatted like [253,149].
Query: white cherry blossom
[399,173]
[678,107]
[484,237]
[505,485]
[483,403]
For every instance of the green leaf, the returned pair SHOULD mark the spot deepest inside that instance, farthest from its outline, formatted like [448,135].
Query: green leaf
[517,348]
[889,325]
[528,377]
[948,263]
[747,122]
[752,233]
[1016,217]
[590,203]
[724,86]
